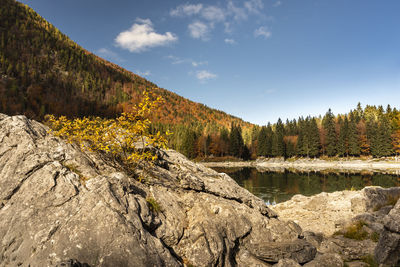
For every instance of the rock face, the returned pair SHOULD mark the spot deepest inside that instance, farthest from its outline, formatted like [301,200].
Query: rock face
[62,207]
[388,249]
[324,214]
[327,213]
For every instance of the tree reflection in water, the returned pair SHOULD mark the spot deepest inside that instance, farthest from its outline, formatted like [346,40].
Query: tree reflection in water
[275,187]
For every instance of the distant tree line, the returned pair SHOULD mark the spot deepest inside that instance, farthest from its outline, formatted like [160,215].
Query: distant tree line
[372,131]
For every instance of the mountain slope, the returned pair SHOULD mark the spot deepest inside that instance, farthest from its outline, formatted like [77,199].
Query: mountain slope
[43,71]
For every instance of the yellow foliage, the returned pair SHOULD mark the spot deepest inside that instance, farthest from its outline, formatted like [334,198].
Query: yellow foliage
[126,137]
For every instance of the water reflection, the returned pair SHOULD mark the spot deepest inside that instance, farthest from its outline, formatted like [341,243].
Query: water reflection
[275,187]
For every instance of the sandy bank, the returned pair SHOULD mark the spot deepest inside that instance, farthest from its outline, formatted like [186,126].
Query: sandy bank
[385,165]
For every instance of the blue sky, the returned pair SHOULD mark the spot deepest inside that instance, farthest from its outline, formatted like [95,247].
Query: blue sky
[255,59]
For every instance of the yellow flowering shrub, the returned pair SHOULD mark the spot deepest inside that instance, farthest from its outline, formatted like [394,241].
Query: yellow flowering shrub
[125,138]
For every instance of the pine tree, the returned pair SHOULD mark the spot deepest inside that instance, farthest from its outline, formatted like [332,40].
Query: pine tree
[188,143]
[262,145]
[269,140]
[329,126]
[302,141]
[274,145]
[314,138]
[373,137]
[385,133]
[343,139]
[236,144]
[353,142]
[280,144]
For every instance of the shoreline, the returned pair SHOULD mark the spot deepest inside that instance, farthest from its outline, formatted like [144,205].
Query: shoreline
[275,164]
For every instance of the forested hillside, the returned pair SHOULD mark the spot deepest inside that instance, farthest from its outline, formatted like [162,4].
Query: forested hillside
[42,71]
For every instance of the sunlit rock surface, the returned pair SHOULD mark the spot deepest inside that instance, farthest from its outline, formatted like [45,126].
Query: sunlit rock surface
[59,206]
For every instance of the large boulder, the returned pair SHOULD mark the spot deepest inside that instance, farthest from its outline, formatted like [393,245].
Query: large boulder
[328,213]
[63,207]
[388,249]
[364,215]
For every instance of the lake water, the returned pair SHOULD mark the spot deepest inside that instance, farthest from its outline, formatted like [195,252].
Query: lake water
[275,187]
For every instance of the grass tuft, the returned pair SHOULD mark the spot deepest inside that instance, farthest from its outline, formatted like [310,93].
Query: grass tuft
[153,204]
[356,231]
[369,259]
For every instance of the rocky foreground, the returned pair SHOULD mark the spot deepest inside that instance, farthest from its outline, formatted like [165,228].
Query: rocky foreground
[370,218]
[62,207]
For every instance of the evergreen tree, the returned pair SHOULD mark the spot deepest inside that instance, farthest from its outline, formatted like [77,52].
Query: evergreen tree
[269,140]
[224,136]
[262,144]
[385,134]
[280,144]
[353,140]
[372,135]
[300,136]
[188,143]
[330,139]
[315,143]
[236,144]
[342,145]
[274,145]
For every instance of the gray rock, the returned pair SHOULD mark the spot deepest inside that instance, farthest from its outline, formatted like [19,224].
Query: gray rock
[314,238]
[392,220]
[388,249]
[71,263]
[300,251]
[59,203]
[328,259]
[245,259]
[357,264]
[377,197]
[328,213]
[349,249]
[287,263]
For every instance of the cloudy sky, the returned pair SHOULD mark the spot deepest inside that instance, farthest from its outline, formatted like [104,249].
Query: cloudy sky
[255,59]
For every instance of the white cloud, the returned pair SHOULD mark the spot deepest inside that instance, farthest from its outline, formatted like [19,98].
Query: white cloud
[237,12]
[228,27]
[143,73]
[186,10]
[208,17]
[213,13]
[177,60]
[262,31]
[199,30]
[230,41]
[142,36]
[204,75]
[254,6]
[277,3]
[199,63]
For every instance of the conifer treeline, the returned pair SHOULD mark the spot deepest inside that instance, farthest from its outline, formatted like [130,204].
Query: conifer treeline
[371,131]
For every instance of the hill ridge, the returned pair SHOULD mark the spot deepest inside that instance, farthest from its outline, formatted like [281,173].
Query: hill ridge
[44,71]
